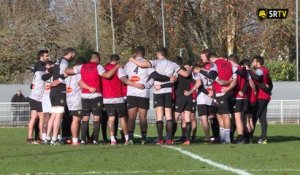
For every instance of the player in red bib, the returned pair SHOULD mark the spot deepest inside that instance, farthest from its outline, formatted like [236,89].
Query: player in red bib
[262,75]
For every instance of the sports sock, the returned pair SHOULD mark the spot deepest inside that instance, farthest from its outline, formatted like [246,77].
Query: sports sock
[160,127]
[44,136]
[84,128]
[54,138]
[127,137]
[174,128]
[227,135]
[112,139]
[169,129]
[96,130]
[222,135]
[130,135]
[188,130]
[74,140]
[144,135]
[215,128]
[48,137]
[59,137]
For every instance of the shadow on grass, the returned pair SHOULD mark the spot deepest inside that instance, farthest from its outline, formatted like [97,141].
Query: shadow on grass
[278,139]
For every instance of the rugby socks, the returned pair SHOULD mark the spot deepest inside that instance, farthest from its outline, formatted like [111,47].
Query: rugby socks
[84,127]
[222,135]
[188,130]
[54,138]
[59,137]
[44,135]
[227,135]
[169,129]
[74,141]
[144,135]
[174,128]
[160,127]
[96,130]
[126,137]
[215,128]
[113,139]
[130,135]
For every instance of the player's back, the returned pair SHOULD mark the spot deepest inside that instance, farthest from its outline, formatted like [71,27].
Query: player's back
[224,69]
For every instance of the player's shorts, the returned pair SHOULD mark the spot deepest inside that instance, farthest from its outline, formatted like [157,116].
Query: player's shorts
[77,113]
[204,110]
[183,103]
[137,102]
[35,105]
[46,105]
[57,98]
[162,100]
[251,109]
[93,105]
[224,103]
[239,105]
[116,110]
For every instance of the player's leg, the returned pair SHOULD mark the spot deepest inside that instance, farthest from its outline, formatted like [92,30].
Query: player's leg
[183,128]
[262,114]
[45,125]
[111,126]
[132,112]
[41,124]
[238,107]
[56,124]
[169,119]
[159,113]
[193,122]
[121,112]
[143,124]
[75,126]
[104,120]
[203,114]
[33,117]
[187,119]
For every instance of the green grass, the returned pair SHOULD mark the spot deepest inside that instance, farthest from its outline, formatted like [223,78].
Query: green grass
[280,156]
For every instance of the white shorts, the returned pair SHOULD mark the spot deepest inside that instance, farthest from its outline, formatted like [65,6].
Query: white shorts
[46,105]
[58,109]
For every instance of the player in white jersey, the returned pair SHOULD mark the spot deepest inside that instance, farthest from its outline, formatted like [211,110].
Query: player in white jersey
[36,95]
[74,104]
[46,103]
[204,102]
[163,97]
[138,99]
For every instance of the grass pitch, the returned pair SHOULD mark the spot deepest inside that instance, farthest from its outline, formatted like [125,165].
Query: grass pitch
[280,156]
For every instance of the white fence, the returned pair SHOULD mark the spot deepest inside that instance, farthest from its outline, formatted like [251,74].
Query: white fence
[279,112]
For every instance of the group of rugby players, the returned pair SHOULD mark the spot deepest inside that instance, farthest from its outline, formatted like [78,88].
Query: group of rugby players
[226,92]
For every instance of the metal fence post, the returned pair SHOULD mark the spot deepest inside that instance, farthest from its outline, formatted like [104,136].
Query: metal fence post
[281,111]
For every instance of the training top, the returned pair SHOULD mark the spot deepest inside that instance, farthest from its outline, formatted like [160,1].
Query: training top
[140,76]
[164,67]
[58,70]
[241,82]
[225,72]
[182,84]
[263,71]
[73,92]
[202,98]
[37,85]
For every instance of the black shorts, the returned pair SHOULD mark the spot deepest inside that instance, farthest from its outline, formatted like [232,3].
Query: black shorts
[239,105]
[204,110]
[251,109]
[162,100]
[94,105]
[194,105]
[137,102]
[116,110]
[77,113]
[57,98]
[183,103]
[224,103]
[35,105]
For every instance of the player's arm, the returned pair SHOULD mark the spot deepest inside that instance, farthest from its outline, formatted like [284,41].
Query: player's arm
[231,86]
[142,64]
[194,88]
[129,83]
[159,77]
[184,73]
[83,85]
[252,86]
[71,71]
[110,73]
[257,76]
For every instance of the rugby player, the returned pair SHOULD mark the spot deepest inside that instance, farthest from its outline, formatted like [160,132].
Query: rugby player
[163,97]
[36,95]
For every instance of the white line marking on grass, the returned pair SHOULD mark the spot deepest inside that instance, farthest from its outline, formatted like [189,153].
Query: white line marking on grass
[208,161]
[157,171]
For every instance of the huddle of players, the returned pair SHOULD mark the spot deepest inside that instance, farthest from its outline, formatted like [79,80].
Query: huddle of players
[89,88]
